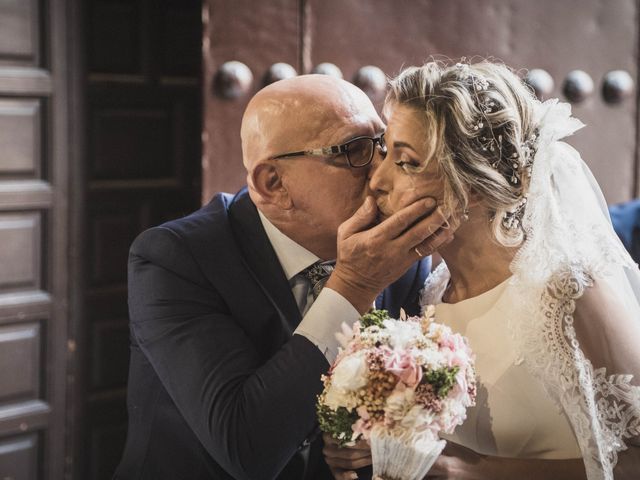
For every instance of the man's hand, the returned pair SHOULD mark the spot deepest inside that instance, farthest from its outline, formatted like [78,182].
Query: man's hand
[370,260]
[343,461]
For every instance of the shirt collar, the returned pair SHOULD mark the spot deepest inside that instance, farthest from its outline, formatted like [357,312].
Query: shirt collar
[292,256]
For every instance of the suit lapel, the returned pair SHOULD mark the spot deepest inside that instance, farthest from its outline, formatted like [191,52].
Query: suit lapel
[380,300]
[405,292]
[261,259]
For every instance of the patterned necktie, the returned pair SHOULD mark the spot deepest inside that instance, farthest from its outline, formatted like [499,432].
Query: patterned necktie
[318,274]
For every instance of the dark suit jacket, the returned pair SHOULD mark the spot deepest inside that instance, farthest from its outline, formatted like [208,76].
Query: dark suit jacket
[219,387]
[626,221]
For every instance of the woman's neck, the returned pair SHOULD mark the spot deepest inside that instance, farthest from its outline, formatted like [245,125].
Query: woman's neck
[476,261]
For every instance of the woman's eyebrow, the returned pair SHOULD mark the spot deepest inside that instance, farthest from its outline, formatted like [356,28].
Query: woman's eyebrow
[400,144]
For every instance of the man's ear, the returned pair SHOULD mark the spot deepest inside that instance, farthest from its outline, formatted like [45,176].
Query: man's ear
[266,179]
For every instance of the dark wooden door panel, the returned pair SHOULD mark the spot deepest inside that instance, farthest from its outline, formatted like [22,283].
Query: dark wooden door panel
[33,238]
[20,137]
[141,167]
[20,354]
[21,240]
[20,34]
[115,39]
[19,457]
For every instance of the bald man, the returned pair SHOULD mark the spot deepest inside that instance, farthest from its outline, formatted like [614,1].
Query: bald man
[228,337]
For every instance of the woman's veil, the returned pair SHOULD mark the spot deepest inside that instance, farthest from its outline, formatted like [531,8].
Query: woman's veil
[580,294]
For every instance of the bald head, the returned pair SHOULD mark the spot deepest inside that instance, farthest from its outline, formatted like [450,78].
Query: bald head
[298,113]
[305,197]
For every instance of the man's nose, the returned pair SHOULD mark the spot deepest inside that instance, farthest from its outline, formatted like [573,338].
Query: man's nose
[376,179]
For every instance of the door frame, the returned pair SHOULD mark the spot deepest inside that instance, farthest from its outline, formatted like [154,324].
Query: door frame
[69,154]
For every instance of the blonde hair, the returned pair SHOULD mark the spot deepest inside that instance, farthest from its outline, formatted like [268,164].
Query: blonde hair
[480,130]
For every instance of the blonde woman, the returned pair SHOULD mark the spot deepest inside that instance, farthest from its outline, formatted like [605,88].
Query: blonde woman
[535,276]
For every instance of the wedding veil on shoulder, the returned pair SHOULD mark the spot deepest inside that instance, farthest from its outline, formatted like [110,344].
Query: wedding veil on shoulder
[580,294]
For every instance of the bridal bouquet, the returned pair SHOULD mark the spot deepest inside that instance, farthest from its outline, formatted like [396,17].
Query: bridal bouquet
[398,384]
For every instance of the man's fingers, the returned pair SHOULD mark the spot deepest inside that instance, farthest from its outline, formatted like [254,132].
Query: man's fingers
[330,442]
[362,444]
[399,222]
[350,457]
[348,464]
[328,439]
[340,474]
[359,221]
[346,458]
[427,247]
[425,228]
[345,453]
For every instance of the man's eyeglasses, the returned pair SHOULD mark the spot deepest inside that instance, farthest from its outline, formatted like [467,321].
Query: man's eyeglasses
[359,151]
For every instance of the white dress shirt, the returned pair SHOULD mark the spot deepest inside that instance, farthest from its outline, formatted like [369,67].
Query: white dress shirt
[321,319]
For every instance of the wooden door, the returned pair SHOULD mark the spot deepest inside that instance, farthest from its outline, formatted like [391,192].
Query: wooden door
[140,166]
[589,45]
[33,238]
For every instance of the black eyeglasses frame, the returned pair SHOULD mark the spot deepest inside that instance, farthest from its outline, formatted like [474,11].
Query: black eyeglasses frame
[335,150]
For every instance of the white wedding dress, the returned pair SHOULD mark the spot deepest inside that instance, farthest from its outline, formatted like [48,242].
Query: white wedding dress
[513,417]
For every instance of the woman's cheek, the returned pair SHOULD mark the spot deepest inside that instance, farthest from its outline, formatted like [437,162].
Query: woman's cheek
[411,191]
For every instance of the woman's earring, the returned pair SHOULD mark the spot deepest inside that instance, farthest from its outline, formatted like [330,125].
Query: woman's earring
[465,215]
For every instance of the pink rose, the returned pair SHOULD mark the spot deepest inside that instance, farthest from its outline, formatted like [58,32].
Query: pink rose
[455,349]
[403,365]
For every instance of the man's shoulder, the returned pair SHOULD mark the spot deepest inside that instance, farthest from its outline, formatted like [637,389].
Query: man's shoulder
[208,228]
[211,216]
[625,218]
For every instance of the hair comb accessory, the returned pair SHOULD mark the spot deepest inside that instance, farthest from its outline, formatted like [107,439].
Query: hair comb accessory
[513,219]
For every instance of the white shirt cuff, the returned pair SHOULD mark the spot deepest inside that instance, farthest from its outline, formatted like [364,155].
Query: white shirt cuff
[324,319]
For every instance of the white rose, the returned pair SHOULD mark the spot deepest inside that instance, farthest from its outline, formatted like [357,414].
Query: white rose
[335,398]
[351,373]
[402,334]
[431,359]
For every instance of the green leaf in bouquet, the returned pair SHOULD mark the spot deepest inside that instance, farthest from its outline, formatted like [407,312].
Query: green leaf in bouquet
[374,318]
[337,423]
[442,380]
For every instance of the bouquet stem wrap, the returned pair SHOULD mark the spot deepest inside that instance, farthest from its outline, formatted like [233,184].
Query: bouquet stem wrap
[399,458]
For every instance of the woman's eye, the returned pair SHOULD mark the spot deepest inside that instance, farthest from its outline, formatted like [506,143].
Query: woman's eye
[406,162]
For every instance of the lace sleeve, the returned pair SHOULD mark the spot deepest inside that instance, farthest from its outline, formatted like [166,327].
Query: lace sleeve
[605,339]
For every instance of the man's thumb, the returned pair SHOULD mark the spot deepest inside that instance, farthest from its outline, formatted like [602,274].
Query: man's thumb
[362,219]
